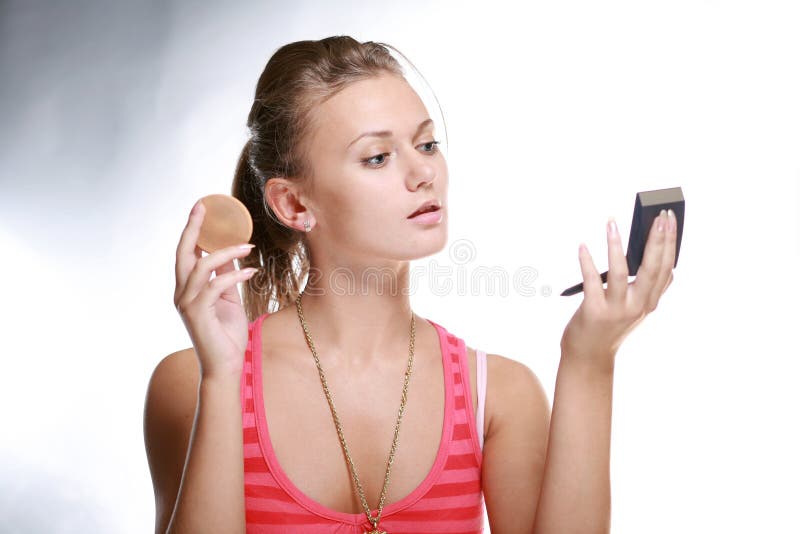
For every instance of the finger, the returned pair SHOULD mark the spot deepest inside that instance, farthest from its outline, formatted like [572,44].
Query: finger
[201,274]
[230,293]
[667,260]
[592,283]
[188,253]
[648,272]
[669,280]
[225,268]
[224,283]
[617,265]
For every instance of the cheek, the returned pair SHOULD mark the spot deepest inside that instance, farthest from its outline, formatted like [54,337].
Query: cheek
[378,211]
[442,172]
[355,205]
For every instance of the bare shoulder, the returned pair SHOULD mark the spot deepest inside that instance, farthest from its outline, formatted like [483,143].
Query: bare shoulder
[173,384]
[511,384]
[171,397]
[169,410]
[516,443]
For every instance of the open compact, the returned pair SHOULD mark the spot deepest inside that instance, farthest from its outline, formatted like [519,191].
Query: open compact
[647,206]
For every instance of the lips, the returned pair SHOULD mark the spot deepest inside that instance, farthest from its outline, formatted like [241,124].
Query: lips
[430,205]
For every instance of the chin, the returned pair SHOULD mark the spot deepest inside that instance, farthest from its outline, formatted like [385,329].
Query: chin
[431,242]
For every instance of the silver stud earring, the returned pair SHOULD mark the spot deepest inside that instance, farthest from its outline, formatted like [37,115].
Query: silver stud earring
[307,226]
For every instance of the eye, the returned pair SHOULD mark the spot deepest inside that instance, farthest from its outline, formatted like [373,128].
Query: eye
[433,148]
[368,162]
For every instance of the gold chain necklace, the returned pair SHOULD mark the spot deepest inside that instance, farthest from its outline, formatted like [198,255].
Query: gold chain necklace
[373,520]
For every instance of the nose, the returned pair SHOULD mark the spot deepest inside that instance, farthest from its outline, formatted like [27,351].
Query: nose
[421,171]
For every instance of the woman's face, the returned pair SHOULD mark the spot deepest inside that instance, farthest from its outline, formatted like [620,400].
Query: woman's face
[365,186]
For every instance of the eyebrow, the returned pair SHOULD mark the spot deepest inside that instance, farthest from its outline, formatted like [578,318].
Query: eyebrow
[388,133]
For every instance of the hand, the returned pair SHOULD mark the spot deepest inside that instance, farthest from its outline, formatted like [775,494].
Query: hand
[607,316]
[211,309]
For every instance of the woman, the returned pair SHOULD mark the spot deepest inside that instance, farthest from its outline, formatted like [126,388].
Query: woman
[342,153]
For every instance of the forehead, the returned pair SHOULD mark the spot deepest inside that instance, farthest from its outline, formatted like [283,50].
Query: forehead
[384,102]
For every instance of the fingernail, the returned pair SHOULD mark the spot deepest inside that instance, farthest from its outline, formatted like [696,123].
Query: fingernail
[248,245]
[661,220]
[250,271]
[194,208]
[672,222]
[612,226]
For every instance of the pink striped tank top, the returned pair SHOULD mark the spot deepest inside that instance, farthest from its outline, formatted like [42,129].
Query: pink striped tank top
[448,501]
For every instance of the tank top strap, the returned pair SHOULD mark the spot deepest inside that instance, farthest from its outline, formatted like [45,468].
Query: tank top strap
[466,442]
[248,394]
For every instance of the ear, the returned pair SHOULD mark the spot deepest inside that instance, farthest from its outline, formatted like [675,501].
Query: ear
[288,203]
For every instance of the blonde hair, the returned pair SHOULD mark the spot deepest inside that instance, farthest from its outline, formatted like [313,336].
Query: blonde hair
[298,77]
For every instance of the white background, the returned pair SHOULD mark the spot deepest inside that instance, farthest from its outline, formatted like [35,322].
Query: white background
[117,118]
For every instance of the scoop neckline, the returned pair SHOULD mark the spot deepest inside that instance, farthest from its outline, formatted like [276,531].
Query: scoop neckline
[312,505]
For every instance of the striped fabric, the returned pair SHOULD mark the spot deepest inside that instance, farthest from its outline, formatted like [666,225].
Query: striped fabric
[448,501]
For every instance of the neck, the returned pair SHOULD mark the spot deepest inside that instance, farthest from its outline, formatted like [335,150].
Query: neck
[359,317]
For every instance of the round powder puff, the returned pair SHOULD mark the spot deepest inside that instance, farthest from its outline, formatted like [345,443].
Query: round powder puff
[226,222]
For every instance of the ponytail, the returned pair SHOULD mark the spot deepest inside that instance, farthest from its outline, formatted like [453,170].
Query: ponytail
[278,249]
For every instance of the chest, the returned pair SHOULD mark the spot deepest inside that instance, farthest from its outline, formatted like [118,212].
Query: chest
[304,436]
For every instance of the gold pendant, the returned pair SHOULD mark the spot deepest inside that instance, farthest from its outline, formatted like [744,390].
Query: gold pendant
[376,531]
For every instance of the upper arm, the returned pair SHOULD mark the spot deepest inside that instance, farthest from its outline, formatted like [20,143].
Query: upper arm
[169,411]
[515,449]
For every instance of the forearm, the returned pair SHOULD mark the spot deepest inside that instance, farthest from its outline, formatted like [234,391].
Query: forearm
[576,490]
[211,494]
